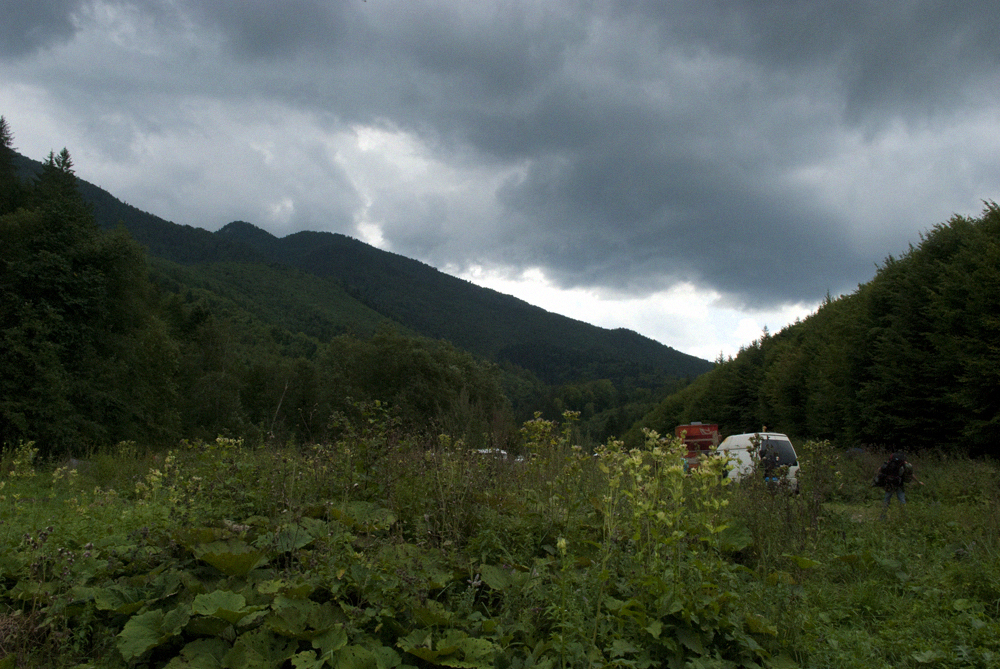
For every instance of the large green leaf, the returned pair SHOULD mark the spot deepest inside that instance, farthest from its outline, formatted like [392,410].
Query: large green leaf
[330,641]
[285,539]
[151,629]
[307,659]
[200,654]
[453,649]
[299,588]
[301,618]
[355,657]
[259,649]
[229,606]
[232,557]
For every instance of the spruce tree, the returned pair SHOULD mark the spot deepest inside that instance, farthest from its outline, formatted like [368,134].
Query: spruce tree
[57,183]
[10,185]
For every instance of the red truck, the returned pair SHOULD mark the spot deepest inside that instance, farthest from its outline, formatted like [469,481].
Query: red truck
[699,438]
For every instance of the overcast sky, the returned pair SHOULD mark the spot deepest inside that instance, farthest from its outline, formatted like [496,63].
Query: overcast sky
[690,170]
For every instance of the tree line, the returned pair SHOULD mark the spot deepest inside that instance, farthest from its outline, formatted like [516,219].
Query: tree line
[99,345]
[909,360]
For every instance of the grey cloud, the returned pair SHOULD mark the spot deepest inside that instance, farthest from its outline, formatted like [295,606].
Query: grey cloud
[262,29]
[652,141]
[906,58]
[28,25]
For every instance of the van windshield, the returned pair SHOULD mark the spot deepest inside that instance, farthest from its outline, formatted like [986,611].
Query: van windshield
[780,449]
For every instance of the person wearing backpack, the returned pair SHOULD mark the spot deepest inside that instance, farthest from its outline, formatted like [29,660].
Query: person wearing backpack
[893,476]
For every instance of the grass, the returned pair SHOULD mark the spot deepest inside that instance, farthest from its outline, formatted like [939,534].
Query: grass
[393,550]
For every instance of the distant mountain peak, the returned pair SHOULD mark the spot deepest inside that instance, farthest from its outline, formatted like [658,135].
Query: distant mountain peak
[243,231]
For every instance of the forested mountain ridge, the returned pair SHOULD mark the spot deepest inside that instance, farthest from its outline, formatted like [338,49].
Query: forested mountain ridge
[238,333]
[910,360]
[161,238]
[488,323]
[424,300]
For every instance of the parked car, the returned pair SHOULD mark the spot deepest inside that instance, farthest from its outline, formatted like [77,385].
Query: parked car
[771,452]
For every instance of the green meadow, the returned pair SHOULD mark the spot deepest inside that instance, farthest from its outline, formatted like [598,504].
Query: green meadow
[385,549]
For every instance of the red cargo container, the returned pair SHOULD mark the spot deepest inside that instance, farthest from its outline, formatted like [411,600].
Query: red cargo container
[700,439]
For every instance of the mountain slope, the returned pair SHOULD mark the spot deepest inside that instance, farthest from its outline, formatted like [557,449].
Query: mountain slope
[487,323]
[497,326]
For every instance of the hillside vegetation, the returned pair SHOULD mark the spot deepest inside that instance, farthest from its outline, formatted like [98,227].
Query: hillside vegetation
[242,334]
[909,360]
[258,333]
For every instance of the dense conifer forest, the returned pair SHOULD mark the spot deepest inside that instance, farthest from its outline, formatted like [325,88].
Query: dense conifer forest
[909,360]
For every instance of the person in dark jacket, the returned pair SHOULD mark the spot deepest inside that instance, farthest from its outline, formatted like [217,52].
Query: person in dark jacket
[893,476]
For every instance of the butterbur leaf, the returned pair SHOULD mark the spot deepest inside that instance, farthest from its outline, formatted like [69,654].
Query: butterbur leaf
[307,660]
[385,657]
[734,537]
[783,577]
[432,615]
[232,558]
[290,617]
[299,590]
[285,540]
[301,618]
[228,606]
[356,657]
[330,641]
[192,537]
[210,626]
[141,633]
[175,619]
[207,604]
[151,629]
[495,577]
[453,649]
[259,650]
[364,516]
[200,654]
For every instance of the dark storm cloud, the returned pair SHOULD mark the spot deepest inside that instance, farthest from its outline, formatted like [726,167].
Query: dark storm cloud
[908,57]
[643,142]
[262,29]
[26,25]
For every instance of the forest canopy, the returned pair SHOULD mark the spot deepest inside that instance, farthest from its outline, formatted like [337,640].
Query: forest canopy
[101,342]
[99,345]
[909,360]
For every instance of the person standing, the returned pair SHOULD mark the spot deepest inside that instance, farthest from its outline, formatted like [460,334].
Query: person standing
[893,476]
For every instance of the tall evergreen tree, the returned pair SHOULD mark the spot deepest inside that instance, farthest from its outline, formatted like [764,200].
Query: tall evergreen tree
[56,185]
[10,185]
[85,359]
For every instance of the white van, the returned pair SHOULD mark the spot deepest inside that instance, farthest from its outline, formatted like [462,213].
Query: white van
[773,450]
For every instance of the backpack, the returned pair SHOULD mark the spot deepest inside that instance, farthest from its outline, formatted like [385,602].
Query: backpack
[892,473]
